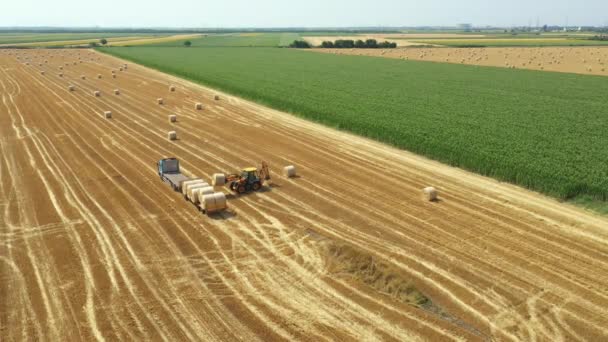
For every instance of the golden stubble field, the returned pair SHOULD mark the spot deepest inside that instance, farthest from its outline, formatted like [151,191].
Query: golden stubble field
[580,60]
[94,247]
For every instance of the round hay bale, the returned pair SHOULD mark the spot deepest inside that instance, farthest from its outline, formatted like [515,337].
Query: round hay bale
[172,118]
[218,179]
[198,106]
[97,93]
[113,72]
[171,88]
[208,203]
[107,114]
[83,77]
[113,75]
[216,97]
[60,68]
[160,101]
[188,184]
[430,193]
[99,76]
[289,171]
[220,201]
[116,91]
[120,69]
[193,191]
[60,74]
[71,88]
[172,135]
[42,73]
[183,184]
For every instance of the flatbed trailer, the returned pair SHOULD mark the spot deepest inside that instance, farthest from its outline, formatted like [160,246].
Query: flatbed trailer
[169,172]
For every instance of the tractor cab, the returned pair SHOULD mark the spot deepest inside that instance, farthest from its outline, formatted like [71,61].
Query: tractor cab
[250,175]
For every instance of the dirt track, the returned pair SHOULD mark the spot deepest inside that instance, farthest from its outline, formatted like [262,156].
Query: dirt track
[580,60]
[94,246]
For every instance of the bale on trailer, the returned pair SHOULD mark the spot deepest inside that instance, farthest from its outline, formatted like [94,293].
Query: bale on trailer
[116,92]
[107,114]
[218,179]
[97,93]
[171,88]
[213,202]
[430,193]
[160,100]
[172,135]
[198,106]
[182,184]
[188,184]
[172,118]
[192,193]
[289,171]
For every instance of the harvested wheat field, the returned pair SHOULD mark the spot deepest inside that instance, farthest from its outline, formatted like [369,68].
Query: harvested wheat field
[580,60]
[93,246]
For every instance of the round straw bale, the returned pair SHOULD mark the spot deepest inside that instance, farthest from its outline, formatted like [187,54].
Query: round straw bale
[120,69]
[172,118]
[116,91]
[218,179]
[208,203]
[60,68]
[160,100]
[171,88]
[220,200]
[289,171]
[113,75]
[83,77]
[430,193]
[216,97]
[99,76]
[192,196]
[71,88]
[107,114]
[172,135]
[42,73]
[187,184]
[97,93]
[60,74]
[198,106]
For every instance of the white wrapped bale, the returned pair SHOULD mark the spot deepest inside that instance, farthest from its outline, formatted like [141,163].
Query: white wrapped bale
[187,184]
[172,135]
[172,118]
[107,114]
[198,106]
[289,171]
[171,88]
[97,93]
[160,100]
[218,179]
[430,193]
[116,92]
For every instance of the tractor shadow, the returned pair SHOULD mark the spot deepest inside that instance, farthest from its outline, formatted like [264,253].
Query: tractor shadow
[264,189]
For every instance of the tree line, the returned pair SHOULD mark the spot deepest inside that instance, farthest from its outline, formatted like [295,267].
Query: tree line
[346,44]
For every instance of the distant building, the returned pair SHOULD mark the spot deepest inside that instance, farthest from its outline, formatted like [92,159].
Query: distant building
[465,27]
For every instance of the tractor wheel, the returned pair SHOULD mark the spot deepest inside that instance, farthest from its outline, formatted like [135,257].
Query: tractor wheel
[256,186]
[241,189]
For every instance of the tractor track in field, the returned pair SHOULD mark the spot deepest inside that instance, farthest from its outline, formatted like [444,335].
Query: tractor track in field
[94,246]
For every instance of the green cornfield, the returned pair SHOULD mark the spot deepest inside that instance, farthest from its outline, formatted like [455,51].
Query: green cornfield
[542,130]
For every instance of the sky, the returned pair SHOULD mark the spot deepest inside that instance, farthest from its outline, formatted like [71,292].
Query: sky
[309,13]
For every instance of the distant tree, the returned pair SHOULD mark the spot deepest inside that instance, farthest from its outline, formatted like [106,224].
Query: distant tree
[371,44]
[300,44]
[545,28]
[187,43]
[327,44]
[359,44]
[103,41]
[344,44]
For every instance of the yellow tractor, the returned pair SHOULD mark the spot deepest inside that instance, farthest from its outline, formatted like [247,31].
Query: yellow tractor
[250,179]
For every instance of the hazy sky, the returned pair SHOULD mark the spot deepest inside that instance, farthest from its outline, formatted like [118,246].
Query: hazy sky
[309,13]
